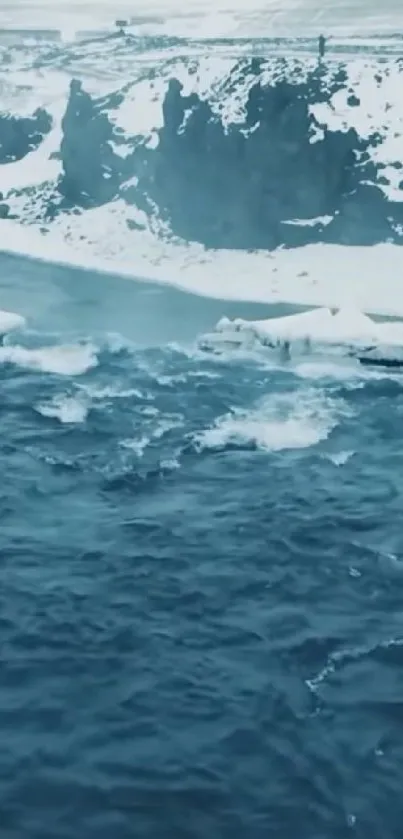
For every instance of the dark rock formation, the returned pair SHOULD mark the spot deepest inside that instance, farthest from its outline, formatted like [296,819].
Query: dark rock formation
[20,135]
[240,187]
[237,186]
[91,170]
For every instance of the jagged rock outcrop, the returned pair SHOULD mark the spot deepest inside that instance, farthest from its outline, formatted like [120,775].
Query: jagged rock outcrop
[91,170]
[20,135]
[236,186]
[240,187]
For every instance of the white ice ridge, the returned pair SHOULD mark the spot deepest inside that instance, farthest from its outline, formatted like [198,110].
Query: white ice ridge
[367,279]
[330,327]
[10,321]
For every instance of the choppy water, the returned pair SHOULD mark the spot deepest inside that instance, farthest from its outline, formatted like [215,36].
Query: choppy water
[201,578]
[201,623]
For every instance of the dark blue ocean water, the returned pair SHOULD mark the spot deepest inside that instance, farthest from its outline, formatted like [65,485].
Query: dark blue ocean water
[201,623]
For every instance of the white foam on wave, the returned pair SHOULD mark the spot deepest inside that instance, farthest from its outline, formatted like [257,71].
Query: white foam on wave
[69,410]
[338,369]
[136,445]
[160,425]
[295,421]
[340,458]
[65,360]
[10,321]
[112,392]
[349,371]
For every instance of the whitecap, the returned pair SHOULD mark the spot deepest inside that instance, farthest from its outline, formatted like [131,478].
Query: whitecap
[203,374]
[164,424]
[112,392]
[166,380]
[294,421]
[64,360]
[171,464]
[137,446]
[167,423]
[67,409]
[339,369]
[340,458]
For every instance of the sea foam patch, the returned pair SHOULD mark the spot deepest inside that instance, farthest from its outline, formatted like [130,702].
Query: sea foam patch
[276,423]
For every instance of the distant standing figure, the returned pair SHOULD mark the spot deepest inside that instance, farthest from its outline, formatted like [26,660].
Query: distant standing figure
[322,46]
[286,350]
[121,25]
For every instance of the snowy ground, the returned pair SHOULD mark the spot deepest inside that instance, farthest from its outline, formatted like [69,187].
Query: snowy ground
[368,278]
[216,17]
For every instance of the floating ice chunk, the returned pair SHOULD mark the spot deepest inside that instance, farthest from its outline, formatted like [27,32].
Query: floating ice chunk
[327,326]
[347,328]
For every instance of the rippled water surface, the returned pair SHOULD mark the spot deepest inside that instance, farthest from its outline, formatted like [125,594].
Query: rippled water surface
[201,579]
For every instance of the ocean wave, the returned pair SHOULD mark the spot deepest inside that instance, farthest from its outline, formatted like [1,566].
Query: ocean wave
[296,421]
[62,360]
[340,458]
[156,428]
[201,558]
[69,410]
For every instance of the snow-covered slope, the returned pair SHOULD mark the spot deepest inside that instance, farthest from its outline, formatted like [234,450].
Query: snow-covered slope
[309,212]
